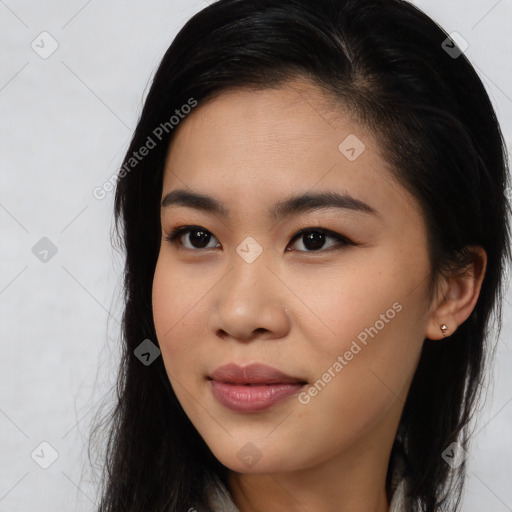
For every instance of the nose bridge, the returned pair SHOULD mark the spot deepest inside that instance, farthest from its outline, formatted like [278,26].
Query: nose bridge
[249,298]
[250,277]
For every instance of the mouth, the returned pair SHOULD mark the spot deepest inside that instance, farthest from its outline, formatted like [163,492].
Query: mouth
[252,375]
[253,388]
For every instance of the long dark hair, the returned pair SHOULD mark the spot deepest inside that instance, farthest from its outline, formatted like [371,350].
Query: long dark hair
[394,69]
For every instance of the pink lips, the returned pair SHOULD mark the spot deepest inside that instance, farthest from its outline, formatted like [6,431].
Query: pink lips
[252,388]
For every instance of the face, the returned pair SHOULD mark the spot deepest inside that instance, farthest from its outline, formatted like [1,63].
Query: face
[330,288]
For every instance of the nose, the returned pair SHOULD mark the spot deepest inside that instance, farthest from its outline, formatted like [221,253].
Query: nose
[250,302]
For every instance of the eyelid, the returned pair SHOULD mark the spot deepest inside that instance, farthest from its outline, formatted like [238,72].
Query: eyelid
[298,231]
[178,231]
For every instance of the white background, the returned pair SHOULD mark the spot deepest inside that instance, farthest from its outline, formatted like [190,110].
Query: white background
[65,123]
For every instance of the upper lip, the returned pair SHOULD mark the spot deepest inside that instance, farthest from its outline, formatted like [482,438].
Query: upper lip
[252,374]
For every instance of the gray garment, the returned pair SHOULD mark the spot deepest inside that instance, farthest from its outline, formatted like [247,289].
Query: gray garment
[221,501]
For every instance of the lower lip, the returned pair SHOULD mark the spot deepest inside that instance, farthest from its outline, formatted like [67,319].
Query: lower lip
[238,397]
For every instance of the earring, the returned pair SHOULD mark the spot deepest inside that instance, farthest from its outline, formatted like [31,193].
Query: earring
[444,328]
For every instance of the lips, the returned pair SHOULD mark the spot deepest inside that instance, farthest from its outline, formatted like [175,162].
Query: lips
[253,374]
[252,389]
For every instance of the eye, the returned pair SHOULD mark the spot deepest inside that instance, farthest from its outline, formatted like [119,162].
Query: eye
[198,237]
[314,239]
[311,239]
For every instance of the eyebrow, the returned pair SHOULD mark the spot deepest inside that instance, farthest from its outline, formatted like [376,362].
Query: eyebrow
[293,205]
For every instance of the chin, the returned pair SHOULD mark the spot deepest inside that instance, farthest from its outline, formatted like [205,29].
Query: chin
[255,458]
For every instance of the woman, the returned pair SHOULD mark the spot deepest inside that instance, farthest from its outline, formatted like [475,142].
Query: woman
[316,228]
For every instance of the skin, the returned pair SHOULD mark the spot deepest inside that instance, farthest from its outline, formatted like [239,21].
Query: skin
[296,310]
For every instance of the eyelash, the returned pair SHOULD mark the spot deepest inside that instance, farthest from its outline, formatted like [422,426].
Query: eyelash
[174,235]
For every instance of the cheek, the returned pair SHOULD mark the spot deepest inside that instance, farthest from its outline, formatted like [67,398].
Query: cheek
[345,304]
[163,300]
[179,303]
[172,301]
[175,295]
[365,339]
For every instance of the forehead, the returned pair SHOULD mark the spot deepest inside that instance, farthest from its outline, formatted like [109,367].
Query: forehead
[294,111]
[252,144]
[256,128]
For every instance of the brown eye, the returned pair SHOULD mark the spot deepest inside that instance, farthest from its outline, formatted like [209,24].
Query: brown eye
[314,240]
[192,237]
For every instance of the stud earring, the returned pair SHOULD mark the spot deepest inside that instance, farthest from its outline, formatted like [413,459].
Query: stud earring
[444,328]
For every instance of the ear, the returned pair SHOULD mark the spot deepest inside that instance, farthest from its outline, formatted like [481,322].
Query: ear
[458,297]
